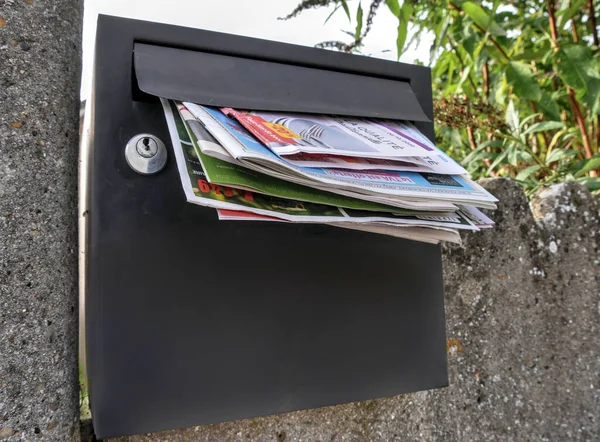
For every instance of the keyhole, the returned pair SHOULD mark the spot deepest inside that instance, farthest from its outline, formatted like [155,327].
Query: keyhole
[146,142]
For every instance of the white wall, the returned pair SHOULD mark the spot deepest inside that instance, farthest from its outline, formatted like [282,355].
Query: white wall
[254,18]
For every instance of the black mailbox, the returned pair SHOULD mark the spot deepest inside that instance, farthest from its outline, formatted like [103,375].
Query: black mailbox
[190,320]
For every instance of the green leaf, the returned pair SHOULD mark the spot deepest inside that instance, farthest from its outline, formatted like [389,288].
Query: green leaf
[331,15]
[403,20]
[512,117]
[528,118]
[453,136]
[474,154]
[513,155]
[527,172]
[527,55]
[463,78]
[481,49]
[440,36]
[549,106]
[451,70]
[498,159]
[520,76]
[491,143]
[499,91]
[590,164]
[568,9]
[346,10]
[544,126]
[482,19]
[592,183]
[442,64]
[592,97]
[556,138]
[526,156]
[496,54]
[537,52]
[559,154]
[480,61]
[401,39]
[579,69]
[359,22]
[394,7]
[469,44]
[476,161]
[576,66]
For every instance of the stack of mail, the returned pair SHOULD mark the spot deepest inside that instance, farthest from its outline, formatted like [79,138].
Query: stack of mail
[380,176]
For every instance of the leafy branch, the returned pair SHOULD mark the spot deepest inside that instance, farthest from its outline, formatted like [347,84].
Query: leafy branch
[508,77]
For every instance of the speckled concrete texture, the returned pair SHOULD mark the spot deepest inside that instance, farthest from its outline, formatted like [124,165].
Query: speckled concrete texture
[523,317]
[40,53]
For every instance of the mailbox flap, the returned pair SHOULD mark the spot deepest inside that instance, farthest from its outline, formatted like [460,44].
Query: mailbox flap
[245,83]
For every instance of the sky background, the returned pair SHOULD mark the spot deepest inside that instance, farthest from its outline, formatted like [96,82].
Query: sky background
[253,18]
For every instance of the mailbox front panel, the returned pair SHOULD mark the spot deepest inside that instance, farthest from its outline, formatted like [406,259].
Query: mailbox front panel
[191,320]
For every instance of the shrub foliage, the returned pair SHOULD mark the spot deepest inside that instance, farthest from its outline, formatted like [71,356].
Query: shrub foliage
[516,84]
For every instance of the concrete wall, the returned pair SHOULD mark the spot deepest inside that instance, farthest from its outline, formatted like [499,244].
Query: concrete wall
[40,56]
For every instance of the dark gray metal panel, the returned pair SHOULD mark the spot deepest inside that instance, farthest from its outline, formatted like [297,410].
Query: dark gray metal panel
[244,83]
[190,320]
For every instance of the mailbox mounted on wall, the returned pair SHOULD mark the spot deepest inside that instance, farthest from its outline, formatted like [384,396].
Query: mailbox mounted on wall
[189,320]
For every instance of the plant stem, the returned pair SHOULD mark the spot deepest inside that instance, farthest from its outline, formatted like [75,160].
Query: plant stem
[471,138]
[563,117]
[534,137]
[574,29]
[529,151]
[592,21]
[473,145]
[462,63]
[594,28]
[494,42]
[552,17]
[534,144]
[480,29]
[579,118]
[597,133]
[544,135]
[536,158]
[486,90]
[486,82]
[574,26]
[575,106]
[533,107]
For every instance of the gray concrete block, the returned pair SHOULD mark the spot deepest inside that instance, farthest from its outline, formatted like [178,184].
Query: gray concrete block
[523,315]
[40,56]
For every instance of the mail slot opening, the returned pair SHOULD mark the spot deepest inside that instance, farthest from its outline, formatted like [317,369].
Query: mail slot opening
[226,80]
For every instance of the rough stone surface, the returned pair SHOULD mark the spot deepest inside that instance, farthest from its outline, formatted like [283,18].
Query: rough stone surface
[40,53]
[523,317]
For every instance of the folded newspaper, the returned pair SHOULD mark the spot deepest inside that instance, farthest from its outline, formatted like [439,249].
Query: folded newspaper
[254,166]
[346,143]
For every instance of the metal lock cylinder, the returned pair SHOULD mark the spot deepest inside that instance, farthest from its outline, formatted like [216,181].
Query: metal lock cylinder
[146,154]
